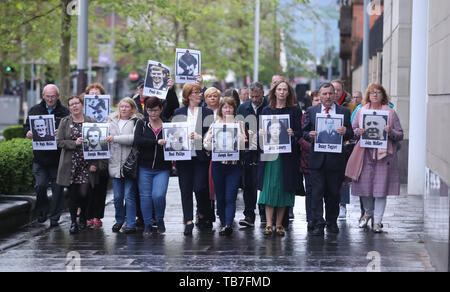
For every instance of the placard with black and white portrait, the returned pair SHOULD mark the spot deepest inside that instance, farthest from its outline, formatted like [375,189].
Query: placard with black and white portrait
[43,129]
[94,145]
[225,142]
[373,122]
[328,139]
[176,137]
[187,65]
[97,107]
[156,80]
[276,138]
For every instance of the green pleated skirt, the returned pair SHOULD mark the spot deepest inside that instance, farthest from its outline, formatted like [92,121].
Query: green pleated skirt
[272,193]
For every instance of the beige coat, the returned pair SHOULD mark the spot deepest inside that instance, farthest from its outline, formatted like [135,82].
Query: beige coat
[120,148]
[67,146]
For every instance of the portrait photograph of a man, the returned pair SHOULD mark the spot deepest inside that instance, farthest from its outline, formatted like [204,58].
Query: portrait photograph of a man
[97,107]
[373,122]
[94,145]
[328,139]
[43,129]
[329,134]
[176,139]
[225,142]
[187,65]
[177,142]
[156,80]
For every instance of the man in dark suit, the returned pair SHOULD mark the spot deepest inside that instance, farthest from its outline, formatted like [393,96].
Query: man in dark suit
[249,109]
[329,135]
[327,169]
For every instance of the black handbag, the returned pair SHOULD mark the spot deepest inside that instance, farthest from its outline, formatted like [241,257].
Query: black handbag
[130,167]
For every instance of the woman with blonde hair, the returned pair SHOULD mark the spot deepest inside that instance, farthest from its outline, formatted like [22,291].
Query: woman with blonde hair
[121,137]
[374,172]
[212,99]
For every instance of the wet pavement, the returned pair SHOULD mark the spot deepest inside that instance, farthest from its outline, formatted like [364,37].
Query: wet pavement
[400,248]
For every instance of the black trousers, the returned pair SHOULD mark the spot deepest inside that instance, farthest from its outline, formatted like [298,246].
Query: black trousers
[325,189]
[249,178]
[43,175]
[97,197]
[193,178]
[78,198]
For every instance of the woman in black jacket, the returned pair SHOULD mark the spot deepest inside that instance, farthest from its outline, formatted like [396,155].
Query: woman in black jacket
[279,174]
[193,174]
[154,172]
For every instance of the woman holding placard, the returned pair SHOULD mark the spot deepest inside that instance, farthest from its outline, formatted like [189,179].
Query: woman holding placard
[154,171]
[193,174]
[374,171]
[226,174]
[120,139]
[279,174]
[74,171]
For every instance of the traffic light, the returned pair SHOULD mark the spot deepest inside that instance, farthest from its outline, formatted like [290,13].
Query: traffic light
[9,69]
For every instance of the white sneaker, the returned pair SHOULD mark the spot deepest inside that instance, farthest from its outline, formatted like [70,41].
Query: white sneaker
[342,212]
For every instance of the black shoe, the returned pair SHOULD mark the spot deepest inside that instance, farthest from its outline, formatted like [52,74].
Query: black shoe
[82,224]
[74,228]
[226,231]
[318,231]
[116,227]
[128,230]
[333,228]
[161,228]
[42,218]
[310,226]
[247,221]
[188,229]
[139,222]
[54,223]
[147,231]
[263,218]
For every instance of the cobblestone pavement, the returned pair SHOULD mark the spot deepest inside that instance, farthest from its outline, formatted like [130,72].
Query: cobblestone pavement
[399,248]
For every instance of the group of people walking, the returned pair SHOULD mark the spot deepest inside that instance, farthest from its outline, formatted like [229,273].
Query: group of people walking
[137,126]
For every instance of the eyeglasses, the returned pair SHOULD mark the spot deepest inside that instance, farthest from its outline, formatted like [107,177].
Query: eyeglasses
[74,104]
[376,92]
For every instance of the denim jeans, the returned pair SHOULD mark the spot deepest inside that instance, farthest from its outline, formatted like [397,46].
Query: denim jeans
[125,189]
[226,183]
[152,189]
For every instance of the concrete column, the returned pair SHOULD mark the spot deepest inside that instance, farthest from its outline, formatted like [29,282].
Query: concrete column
[418,99]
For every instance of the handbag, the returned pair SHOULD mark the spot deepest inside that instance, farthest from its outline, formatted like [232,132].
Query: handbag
[130,167]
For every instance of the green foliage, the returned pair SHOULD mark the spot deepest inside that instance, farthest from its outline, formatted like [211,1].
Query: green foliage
[12,132]
[16,161]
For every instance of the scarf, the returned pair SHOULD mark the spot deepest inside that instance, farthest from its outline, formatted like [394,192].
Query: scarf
[355,162]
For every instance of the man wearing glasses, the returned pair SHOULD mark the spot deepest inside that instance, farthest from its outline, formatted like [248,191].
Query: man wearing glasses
[45,162]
